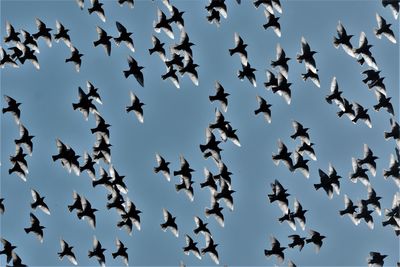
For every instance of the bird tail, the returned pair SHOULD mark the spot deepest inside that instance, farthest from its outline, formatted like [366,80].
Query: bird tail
[257,111]
[336,42]
[90,254]
[96,43]
[117,41]
[231,51]
[317,186]
[163,226]
[126,73]
[340,113]
[156,169]
[377,107]
[207,212]
[342,212]
[75,106]
[281,219]
[27,230]
[203,148]
[328,100]
[176,173]
[377,33]
[387,135]
[240,75]
[299,58]
[93,130]
[4,110]
[196,231]
[70,208]
[55,157]
[212,98]
[59,255]
[114,255]
[267,252]
[151,51]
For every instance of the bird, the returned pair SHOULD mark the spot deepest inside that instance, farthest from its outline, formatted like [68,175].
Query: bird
[240,49]
[308,149]
[363,50]
[373,199]
[43,32]
[131,213]
[221,96]
[87,212]
[66,251]
[97,8]
[101,128]
[394,6]
[98,252]
[297,241]
[13,108]
[6,59]
[314,77]
[263,108]
[276,250]
[281,61]
[224,174]
[17,53]
[25,139]
[359,173]
[383,102]
[248,72]
[17,260]
[225,194]
[201,227]
[186,186]
[394,132]
[301,164]
[124,36]
[158,47]
[121,252]
[191,246]
[2,207]
[394,168]
[171,74]
[169,223]
[350,209]
[184,45]
[346,108]
[344,40]
[19,158]
[218,5]
[273,22]
[62,34]
[369,160]
[190,70]
[135,70]
[375,259]
[7,249]
[104,180]
[35,227]
[131,3]
[12,35]
[162,167]
[185,171]
[279,194]
[316,238]
[269,5]
[77,203]
[176,16]
[68,157]
[38,201]
[29,54]
[336,94]
[299,214]
[209,181]
[75,58]
[19,169]
[300,131]
[104,40]
[289,218]
[214,17]
[28,41]
[361,114]
[215,210]
[101,150]
[283,155]
[365,213]
[307,55]
[136,106]
[211,145]
[163,24]
[211,249]
[282,88]
[85,105]
[118,180]
[384,28]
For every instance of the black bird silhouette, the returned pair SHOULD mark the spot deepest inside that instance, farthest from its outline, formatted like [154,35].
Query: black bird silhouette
[209,181]
[276,250]
[87,212]
[336,94]
[25,139]
[77,203]
[272,22]
[361,114]
[372,76]
[176,16]
[62,33]
[269,5]
[136,106]
[316,238]
[201,227]
[162,167]
[248,72]
[392,215]
[28,41]
[271,80]
[220,122]
[135,70]
[308,149]
[131,213]
[363,50]
[13,108]
[186,186]
[190,70]
[211,145]
[2,208]
[43,32]
[282,88]
[373,200]
[263,108]
[225,194]
[283,155]
[104,40]
[7,249]
[394,6]
[163,24]
[185,171]
[38,201]
[218,5]
[6,59]
[191,246]
[350,209]
[211,249]
[97,8]
[394,168]
[118,180]
[301,164]
[240,49]
[279,194]
[104,180]
[369,160]
[124,36]
[394,132]
[359,173]
[184,45]
[116,202]
[300,131]
[171,74]
[224,174]
[289,218]
[384,28]
[365,214]
[214,17]
[176,60]
[343,39]
[101,128]
[299,214]
[101,150]
[215,210]
[169,223]
[75,58]
[19,158]
[281,61]
[121,252]
[314,77]
[158,47]
[19,170]
[17,53]
[307,55]
[12,35]
[220,96]
[297,241]
[98,252]
[383,102]
[346,108]
[375,259]
[66,251]
[35,228]
[85,105]
[68,157]
[29,54]
[17,262]
[131,3]
[326,183]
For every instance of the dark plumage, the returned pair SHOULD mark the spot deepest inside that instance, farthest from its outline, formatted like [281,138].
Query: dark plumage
[307,55]
[273,22]
[136,106]
[162,167]
[13,108]
[124,36]
[263,108]
[276,250]
[171,75]
[135,70]
[104,40]
[240,49]
[201,227]
[163,24]
[75,58]
[215,210]
[384,28]
[394,132]
[191,246]
[7,249]
[6,59]
[383,102]
[35,228]
[62,33]
[158,47]
[38,201]
[12,35]
[282,88]
[375,259]
[209,181]
[343,39]
[315,238]
[248,72]
[190,70]
[279,194]
[121,252]
[281,61]
[97,8]
[350,209]
[85,105]
[98,252]
[43,32]
[211,249]
[283,155]
[363,50]
[169,223]
[365,213]
[336,94]
[25,139]
[66,251]
[220,96]
[87,212]
[297,241]
[361,114]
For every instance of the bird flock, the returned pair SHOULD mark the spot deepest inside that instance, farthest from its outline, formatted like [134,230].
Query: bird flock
[20,46]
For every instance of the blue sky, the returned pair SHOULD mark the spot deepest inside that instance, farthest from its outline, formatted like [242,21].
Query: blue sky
[175,122]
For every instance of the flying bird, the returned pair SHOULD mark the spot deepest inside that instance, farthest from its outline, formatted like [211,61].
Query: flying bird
[171,75]
[163,24]
[282,88]
[25,139]
[38,201]
[279,194]
[343,39]
[336,94]
[283,155]
[191,246]
[43,32]
[263,108]
[276,250]
[281,61]
[136,106]
[240,49]
[169,223]
[361,113]
[384,28]
[375,259]
[75,58]
[297,241]
[211,249]
[273,22]
[121,252]
[248,72]
[220,96]
[7,249]
[135,70]
[85,105]
[66,251]
[12,35]
[201,227]
[13,108]
[162,167]
[350,209]
[316,238]
[35,227]
[124,36]
[158,47]
[6,59]
[363,50]
[62,34]
[97,8]
[307,55]
[383,102]
[98,252]
[104,40]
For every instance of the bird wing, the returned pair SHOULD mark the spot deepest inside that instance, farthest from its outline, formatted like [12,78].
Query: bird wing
[120,27]
[379,19]
[35,195]
[166,215]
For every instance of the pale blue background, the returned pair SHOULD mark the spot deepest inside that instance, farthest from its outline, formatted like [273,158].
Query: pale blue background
[174,124]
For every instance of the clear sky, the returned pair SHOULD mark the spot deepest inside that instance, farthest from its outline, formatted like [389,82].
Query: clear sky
[175,122]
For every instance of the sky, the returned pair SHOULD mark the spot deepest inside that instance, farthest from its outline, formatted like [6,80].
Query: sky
[175,122]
